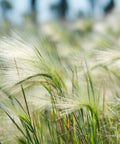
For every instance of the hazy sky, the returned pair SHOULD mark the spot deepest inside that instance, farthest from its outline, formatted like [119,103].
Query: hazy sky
[23,6]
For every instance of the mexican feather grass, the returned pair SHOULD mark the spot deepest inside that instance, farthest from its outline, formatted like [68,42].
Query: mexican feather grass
[47,98]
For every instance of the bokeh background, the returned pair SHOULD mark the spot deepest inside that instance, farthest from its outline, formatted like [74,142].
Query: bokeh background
[15,11]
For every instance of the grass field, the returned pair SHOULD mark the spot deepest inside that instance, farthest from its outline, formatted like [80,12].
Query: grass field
[59,84]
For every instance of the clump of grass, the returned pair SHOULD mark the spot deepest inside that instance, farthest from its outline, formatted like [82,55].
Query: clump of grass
[55,99]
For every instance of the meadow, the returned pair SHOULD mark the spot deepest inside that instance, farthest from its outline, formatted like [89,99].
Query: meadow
[59,83]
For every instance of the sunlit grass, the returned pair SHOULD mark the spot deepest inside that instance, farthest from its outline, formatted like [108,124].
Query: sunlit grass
[59,90]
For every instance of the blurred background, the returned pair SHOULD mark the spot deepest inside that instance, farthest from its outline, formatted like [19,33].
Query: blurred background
[34,14]
[17,11]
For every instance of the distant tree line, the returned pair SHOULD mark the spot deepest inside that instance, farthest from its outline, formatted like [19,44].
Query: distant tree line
[61,8]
